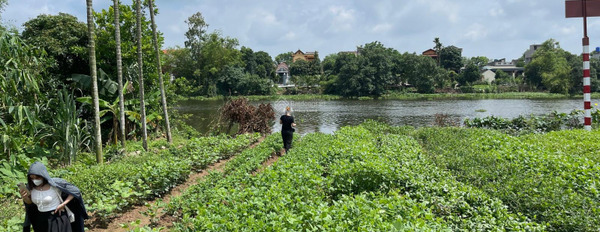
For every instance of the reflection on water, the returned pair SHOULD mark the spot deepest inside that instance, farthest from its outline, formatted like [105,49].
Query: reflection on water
[328,116]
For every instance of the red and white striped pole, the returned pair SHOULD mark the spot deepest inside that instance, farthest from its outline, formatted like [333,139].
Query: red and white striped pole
[587,98]
[584,9]
[587,118]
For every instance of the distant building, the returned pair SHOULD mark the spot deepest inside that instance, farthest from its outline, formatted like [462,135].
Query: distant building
[283,71]
[596,53]
[529,53]
[431,53]
[299,55]
[489,71]
[355,53]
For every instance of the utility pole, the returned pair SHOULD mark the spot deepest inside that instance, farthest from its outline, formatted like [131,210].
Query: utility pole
[584,9]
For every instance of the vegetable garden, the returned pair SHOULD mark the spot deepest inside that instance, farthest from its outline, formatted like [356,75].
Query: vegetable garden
[371,177]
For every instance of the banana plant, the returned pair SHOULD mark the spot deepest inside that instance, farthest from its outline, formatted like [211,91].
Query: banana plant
[113,110]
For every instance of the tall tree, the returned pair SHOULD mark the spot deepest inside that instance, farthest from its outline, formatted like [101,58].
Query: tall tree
[550,68]
[119,73]
[438,48]
[106,46]
[470,74]
[216,54]
[196,34]
[451,58]
[286,57]
[138,10]
[65,40]
[92,47]
[160,76]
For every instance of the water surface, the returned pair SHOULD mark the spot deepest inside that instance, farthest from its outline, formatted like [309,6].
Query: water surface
[328,116]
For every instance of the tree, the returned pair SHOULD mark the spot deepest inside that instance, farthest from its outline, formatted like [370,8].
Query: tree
[249,59]
[299,68]
[160,77]
[106,44]
[216,54]
[550,68]
[503,77]
[2,5]
[419,71]
[178,62]
[451,58]
[479,61]
[328,64]
[349,81]
[469,75]
[286,57]
[438,48]
[138,10]
[119,73]
[235,80]
[265,68]
[196,34]
[428,74]
[368,74]
[377,68]
[259,63]
[64,38]
[92,53]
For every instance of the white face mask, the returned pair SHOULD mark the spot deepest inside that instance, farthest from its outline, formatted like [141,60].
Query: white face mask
[37,182]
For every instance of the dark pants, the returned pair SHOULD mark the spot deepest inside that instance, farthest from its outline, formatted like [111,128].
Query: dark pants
[287,137]
[47,221]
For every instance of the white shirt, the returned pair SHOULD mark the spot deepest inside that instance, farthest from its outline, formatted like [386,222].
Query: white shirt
[47,200]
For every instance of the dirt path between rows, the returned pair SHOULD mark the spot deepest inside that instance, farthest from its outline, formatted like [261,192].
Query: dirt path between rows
[135,213]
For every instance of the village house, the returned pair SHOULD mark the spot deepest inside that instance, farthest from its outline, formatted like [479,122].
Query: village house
[431,53]
[489,71]
[283,72]
[299,55]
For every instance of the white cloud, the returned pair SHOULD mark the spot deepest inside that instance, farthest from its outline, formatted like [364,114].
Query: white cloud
[343,19]
[476,32]
[449,9]
[496,12]
[382,28]
[492,28]
[568,30]
[290,36]
[264,17]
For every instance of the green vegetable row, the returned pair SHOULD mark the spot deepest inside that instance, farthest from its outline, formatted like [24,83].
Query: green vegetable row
[553,178]
[352,181]
[114,187]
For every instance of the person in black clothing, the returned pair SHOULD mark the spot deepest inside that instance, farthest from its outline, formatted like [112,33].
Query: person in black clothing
[287,128]
[50,203]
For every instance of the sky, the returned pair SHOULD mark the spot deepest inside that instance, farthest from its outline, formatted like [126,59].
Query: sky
[492,28]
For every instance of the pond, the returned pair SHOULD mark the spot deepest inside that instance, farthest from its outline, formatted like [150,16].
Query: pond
[328,116]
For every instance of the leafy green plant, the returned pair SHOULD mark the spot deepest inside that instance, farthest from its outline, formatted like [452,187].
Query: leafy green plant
[552,178]
[70,132]
[353,180]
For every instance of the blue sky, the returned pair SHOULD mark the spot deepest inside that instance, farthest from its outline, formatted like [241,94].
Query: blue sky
[491,28]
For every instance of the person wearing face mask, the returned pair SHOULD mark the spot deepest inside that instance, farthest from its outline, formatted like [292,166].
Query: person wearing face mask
[51,204]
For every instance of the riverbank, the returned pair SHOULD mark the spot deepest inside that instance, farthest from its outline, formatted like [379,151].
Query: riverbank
[408,96]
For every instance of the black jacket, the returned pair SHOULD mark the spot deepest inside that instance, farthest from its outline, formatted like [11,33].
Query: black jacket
[76,205]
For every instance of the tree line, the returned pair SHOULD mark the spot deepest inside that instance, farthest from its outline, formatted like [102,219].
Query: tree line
[69,86]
